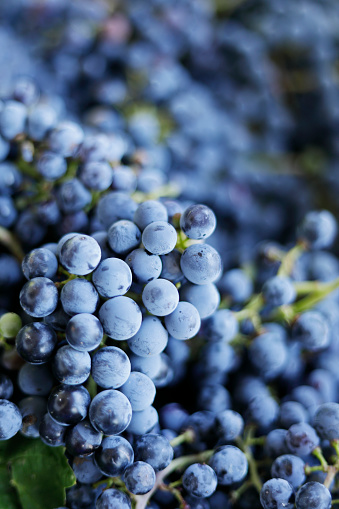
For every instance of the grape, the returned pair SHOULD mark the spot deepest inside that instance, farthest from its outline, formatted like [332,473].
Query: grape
[198,222]
[6,387]
[312,331]
[301,439]
[68,404]
[82,439]
[10,419]
[84,332]
[228,425]
[35,380]
[155,450]
[150,366]
[79,296]
[111,367]
[201,264]
[8,213]
[113,498]
[80,255]
[39,297]
[114,455]
[65,138]
[278,291]
[149,212]
[230,465]
[112,277]
[85,470]
[12,119]
[326,421]
[159,238]
[96,175]
[150,340]
[51,166]
[268,355]
[171,269]
[144,266]
[160,297]
[144,421]
[115,206]
[291,468]
[236,284]
[292,412]
[36,342]
[205,298]
[140,391]
[318,229]
[139,478]
[120,317]
[72,196]
[10,324]
[184,322]
[71,366]
[313,495]
[199,480]
[40,263]
[123,237]
[275,493]
[110,412]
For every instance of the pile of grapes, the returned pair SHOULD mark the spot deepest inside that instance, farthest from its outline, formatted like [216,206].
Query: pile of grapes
[169,278]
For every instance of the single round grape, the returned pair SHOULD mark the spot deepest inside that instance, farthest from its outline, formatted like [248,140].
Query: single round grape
[326,421]
[230,464]
[80,255]
[115,206]
[111,367]
[85,470]
[160,297]
[79,296]
[140,391]
[159,238]
[51,166]
[151,339]
[278,291]
[120,317]
[144,266]
[291,468]
[40,263]
[112,278]
[139,478]
[198,222]
[8,212]
[148,212]
[35,379]
[199,480]
[32,410]
[201,264]
[113,498]
[313,495]
[68,404]
[6,387]
[228,425]
[155,450]
[52,433]
[110,412]
[10,419]
[318,229]
[84,332]
[184,322]
[36,342]
[10,324]
[71,366]
[144,421]
[277,493]
[205,298]
[82,439]
[65,138]
[150,366]
[114,455]
[301,439]
[96,175]
[39,297]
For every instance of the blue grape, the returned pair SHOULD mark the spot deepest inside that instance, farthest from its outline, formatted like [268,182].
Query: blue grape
[171,269]
[40,263]
[115,206]
[292,412]
[160,297]
[228,425]
[39,297]
[8,213]
[112,277]
[150,366]
[85,470]
[101,238]
[159,238]
[155,450]
[110,412]
[10,419]
[111,367]
[40,120]
[268,355]
[123,237]
[140,391]
[4,150]
[230,465]
[144,266]
[113,498]
[275,444]
[278,291]
[201,264]
[173,416]
[318,229]
[237,285]
[51,433]
[51,166]
[10,178]
[312,331]
[277,493]
[96,175]
[72,196]
[58,320]
[199,480]
[205,298]
[35,380]
[184,322]
[84,332]
[80,255]
[139,478]
[263,410]
[114,455]
[12,119]
[198,222]
[81,496]
[68,404]
[214,398]
[32,410]
[6,387]
[82,439]
[150,340]
[79,296]
[326,421]
[301,439]
[120,317]
[124,179]
[36,342]
[65,138]
[144,421]
[313,495]
[148,212]
[291,468]
[71,366]
[10,272]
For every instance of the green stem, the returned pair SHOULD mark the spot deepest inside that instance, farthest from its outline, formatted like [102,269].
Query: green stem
[289,259]
[252,309]
[9,240]
[176,464]
[254,475]
[309,470]
[187,437]
[236,494]
[28,169]
[319,455]
[168,190]
[317,296]
[335,445]
[331,473]
[335,501]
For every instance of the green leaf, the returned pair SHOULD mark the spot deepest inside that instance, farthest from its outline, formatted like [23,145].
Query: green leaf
[8,496]
[40,474]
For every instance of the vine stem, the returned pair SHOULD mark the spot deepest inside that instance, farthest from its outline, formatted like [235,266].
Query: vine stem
[245,446]
[186,437]
[331,473]
[9,240]
[141,501]
[289,260]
